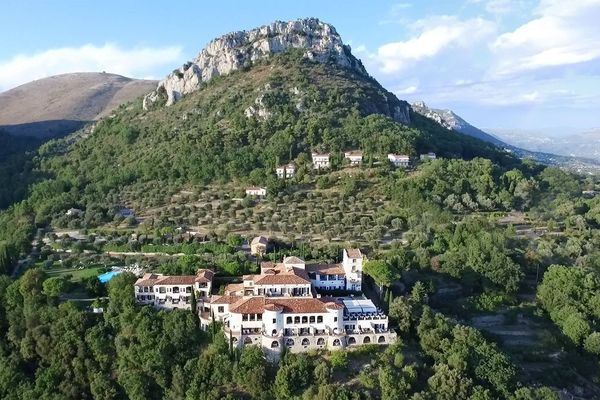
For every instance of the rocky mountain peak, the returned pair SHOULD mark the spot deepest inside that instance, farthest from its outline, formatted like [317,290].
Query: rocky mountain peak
[447,118]
[236,50]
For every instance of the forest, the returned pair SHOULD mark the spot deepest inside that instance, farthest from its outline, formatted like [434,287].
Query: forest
[476,235]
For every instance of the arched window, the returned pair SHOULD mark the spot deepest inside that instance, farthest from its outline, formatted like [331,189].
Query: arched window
[247,340]
[234,340]
[336,342]
[289,342]
[381,339]
[366,340]
[305,342]
[351,340]
[274,344]
[320,342]
[274,332]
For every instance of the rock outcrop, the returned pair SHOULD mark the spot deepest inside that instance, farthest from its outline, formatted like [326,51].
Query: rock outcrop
[449,120]
[320,42]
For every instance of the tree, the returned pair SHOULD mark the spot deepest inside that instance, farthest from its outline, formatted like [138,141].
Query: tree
[382,272]
[401,312]
[55,286]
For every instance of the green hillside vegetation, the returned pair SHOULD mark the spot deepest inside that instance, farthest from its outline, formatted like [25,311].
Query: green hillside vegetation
[437,226]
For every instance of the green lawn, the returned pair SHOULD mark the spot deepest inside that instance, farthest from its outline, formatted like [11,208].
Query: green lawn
[77,274]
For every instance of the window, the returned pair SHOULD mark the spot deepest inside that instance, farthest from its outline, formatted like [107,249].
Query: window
[274,344]
[296,320]
[146,289]
[312,319]
[367,340]
[381,339]
[288,320]
[305,320]
[351,340]
[320,342]
[305,342]
[334,319]
[252,317]
[274,320]
[336,342]
[259,317]
[289,342]
[319,318]
[221,309]
[244,317]
[162,290]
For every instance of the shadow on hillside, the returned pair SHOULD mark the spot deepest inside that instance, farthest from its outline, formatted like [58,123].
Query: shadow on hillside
[44,129]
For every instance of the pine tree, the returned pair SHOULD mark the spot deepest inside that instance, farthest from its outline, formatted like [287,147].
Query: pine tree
[194,302]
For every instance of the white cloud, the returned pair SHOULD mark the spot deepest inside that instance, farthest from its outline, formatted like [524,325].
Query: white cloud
[432,36]
[501,7]
[135,62]
[562,33]
[407,90]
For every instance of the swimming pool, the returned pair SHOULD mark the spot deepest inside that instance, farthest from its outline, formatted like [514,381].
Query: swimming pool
[107,276]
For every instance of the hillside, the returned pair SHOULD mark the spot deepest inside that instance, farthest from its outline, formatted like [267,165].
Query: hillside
[457,246]
[241,126]
[554,152]
[61,104]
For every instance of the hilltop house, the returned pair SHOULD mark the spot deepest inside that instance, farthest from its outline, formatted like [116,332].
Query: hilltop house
[256,191]
[286,171]
[354,156]
[280,307]
[399,160]
[164,291]
[320,160]
[258,246]
[428,156]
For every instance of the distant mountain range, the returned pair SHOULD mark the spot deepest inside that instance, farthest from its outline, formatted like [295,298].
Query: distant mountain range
[61,104]
[580,153]
[583,144]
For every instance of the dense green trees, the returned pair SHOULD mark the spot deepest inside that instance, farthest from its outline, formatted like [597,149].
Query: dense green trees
[571,296]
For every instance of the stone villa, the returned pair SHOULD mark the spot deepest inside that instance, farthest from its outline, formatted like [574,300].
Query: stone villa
[287,305]
[399,160]
[354,156]
[286,171]
[258,246]
[256,191]
[320,160]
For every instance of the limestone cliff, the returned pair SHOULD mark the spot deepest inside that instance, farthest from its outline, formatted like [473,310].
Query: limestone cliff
[240,49]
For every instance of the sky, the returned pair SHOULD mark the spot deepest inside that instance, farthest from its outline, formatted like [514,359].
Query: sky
[527,64]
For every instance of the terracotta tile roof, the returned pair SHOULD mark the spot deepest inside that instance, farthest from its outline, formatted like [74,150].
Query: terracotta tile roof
[354,253]
[273,307]
[267,265]
[293,260]
[249,305]
[177,280]
[227,299]
[204,275]
[295,276]
[326,269]
[233,288]
[150,279]
[279,274]
[304,305]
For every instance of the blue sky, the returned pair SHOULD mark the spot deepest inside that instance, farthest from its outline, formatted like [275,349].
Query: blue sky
[532,64]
